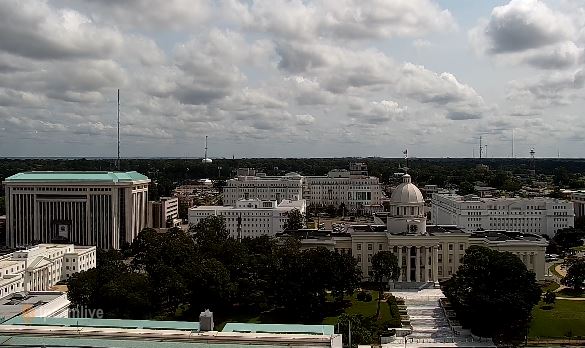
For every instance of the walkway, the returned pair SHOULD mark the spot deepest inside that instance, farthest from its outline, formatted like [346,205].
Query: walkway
[430,327]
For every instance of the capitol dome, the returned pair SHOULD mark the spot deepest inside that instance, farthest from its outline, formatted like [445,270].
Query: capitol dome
[406,193]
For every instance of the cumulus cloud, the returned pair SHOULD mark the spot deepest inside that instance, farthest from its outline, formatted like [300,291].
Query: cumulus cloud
[547,90]
[340,19]
[378,112]
[529,32]
[34,29]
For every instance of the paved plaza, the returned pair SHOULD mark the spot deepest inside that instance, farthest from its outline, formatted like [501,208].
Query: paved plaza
[430,327]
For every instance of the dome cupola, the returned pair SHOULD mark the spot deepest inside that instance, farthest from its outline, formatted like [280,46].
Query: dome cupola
[406,193]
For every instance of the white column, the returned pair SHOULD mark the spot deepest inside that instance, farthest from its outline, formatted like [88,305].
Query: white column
[427,264]
[400,262]
[435,260]
[408,264]
[417,265]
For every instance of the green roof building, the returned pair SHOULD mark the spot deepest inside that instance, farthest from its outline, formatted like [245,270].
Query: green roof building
[105,209]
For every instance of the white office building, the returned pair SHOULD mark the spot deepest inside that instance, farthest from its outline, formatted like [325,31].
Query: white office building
[353,188]
[163,211]
[529,215]
[40,267]
[262,187]
[106,209]
[253,216]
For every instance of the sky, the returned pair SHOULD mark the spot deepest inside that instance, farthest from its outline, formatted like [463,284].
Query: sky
[278,78]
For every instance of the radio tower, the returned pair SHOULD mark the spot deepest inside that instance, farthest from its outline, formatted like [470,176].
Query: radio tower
[480,148]
[118,160]
[532,153]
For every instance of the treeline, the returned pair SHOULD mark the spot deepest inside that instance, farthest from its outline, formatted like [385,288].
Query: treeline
[176,275]
[445,172]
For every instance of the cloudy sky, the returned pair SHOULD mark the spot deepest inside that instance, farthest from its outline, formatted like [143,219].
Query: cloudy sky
[292,78]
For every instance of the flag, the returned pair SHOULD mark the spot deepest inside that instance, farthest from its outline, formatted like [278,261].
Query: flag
[405,152]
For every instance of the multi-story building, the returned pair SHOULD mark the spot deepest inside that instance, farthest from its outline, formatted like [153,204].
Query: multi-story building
[262,187]
[162,212]
[106,209]
[578,199]
[425,253]
[528,215]
[250,217]
[353,188]
[42,266]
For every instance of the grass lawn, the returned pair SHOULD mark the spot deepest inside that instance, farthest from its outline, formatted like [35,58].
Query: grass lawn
[367,309]
[549,286]
[554,271]
[565,316]
[568,292]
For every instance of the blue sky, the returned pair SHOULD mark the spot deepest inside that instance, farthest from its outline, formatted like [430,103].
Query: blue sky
[297,78]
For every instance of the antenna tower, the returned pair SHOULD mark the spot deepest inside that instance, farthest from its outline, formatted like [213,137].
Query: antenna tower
[118,160]
[480,147]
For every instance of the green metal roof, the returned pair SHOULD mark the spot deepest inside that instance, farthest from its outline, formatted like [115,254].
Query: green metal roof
[77,176]
[104,323]
[280,328]
[36,341]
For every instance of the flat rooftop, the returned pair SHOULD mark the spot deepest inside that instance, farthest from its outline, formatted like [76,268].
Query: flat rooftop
[105,323]
[12,306]
[70,176]
[280,328]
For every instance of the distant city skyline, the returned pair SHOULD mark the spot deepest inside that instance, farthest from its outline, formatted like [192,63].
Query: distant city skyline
[280,78]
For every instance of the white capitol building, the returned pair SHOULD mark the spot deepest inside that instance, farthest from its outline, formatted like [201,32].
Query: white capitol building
[426,254]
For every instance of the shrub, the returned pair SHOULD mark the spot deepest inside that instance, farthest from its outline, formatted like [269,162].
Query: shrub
[361,296]
[394,312]
[368,297]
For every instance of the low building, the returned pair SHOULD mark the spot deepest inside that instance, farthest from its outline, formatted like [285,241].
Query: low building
[106,209]
[34,304]
[263,187]
[426,254]
[250,217]
[42,266]
[83,332]
[163,213]
[528,215]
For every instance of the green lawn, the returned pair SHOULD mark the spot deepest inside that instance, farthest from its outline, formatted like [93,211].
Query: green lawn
[565,317]
[554,271]
[568,292]
[367,309]
[549,286]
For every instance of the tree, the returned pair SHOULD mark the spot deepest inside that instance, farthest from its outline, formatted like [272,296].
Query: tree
[295,220]
[549,297]
[363,329]
[2,206]
[493,293]
[575,275]
[384,267]
[567,238]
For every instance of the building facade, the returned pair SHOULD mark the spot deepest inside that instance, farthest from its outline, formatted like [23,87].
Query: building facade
[262,187]
[42,266]
[353,188]
[106,209]
[163,211]
[250,217]
[426,254]
[578,199]
[528,215]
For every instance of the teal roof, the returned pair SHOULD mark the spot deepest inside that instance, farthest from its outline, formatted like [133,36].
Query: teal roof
[105,323]
[280,328]
[113,177]
[36,341]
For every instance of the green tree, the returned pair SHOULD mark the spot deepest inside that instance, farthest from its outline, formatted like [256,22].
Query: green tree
[493,293]
[2,205]
[295,220]
[363,330]
[549,297]
[568,238]
[575,275]
[385,268]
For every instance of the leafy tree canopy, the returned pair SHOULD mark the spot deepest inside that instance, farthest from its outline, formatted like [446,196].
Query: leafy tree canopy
[493,293]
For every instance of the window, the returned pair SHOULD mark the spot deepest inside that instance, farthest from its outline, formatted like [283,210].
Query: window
[370,246]
[450,247]
[359,246]
[379,246]
[461,246]
[359,258]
